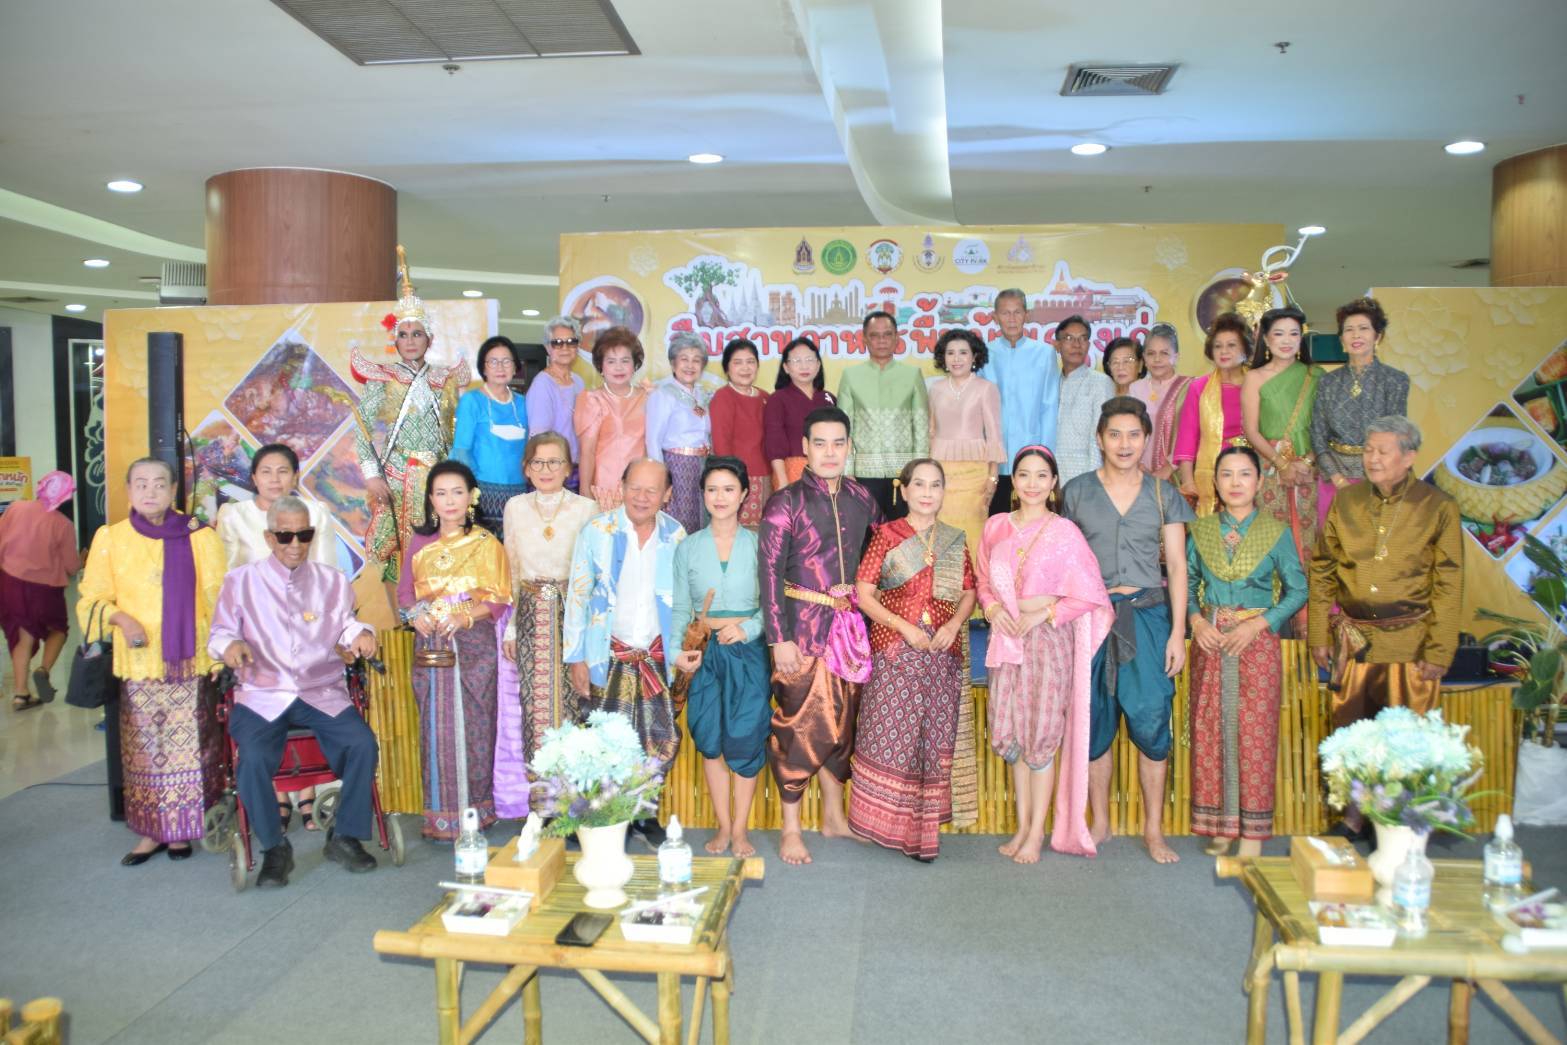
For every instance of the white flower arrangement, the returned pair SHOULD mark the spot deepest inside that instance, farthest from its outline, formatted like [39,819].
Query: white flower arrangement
[1403,769]
[593,775]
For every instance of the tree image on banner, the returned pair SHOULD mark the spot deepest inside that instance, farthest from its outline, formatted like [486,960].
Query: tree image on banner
[705,272]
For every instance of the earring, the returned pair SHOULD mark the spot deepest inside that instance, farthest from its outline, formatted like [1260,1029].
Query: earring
[470,512]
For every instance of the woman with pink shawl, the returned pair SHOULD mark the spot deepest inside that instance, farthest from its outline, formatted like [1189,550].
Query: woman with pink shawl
[38,555]
[1041,589]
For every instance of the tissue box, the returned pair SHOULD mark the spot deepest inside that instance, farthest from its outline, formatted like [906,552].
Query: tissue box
[537,874]
[1340,875]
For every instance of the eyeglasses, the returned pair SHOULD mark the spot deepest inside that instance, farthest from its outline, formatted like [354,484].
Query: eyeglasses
[495,362]
[305,536]
[562,342]
[548,464]
[1072,339]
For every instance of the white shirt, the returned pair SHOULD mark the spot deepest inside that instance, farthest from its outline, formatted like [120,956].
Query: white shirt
[243,527]
[636,602]
[1083,392]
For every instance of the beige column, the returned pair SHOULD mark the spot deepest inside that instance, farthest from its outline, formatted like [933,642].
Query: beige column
[1529,220]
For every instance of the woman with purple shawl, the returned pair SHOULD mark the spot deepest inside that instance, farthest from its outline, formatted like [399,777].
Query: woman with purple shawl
[152,581]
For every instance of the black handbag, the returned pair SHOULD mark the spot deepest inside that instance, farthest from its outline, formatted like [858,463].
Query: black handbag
[92,675]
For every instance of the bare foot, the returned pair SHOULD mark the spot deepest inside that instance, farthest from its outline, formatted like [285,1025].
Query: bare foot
[1161,853]
[837,827]
[741,843]
[1100,834]
[1028,851]
[718,843]
[792,848]
[1010,847]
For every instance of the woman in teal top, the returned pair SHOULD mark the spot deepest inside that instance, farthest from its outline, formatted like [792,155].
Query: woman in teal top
[728,710]
[492,429]
[1244,582]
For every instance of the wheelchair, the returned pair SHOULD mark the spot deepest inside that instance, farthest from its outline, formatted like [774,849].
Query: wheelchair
[227,826]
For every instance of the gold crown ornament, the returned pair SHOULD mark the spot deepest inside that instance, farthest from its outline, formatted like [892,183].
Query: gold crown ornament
[410,308]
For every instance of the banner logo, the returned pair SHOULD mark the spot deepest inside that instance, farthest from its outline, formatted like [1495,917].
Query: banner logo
[884,255]
[970,255]
[839,256]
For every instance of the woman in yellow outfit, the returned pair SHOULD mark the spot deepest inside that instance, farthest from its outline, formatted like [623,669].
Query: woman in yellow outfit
[151,582]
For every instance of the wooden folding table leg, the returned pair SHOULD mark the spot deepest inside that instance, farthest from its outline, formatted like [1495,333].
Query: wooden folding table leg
[532,1012]
[1330,991]
[721,989]
[668,1008]
[1458,1012]
[1527,1021]
[448,1018]
[1297,1025]
[698,999]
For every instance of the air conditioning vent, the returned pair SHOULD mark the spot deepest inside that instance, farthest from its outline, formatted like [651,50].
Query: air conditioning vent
[1104,81]
[1472,263]
[25,299]
[184,283]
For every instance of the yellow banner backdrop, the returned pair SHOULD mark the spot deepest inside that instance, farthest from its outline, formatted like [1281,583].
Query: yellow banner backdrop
[16,479]
[771,285]
[257,374]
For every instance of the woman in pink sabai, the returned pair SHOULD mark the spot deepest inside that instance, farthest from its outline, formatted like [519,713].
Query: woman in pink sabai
[38,555]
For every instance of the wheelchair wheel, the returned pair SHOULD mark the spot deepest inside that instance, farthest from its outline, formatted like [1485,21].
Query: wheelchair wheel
[239,874]
[218,826]
[326,804]
[396,839]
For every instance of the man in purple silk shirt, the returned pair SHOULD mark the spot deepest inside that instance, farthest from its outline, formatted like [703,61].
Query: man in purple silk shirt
[811,536]
[279,624]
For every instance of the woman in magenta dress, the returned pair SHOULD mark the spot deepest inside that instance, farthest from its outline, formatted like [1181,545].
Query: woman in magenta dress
[799,390]
[1212,419]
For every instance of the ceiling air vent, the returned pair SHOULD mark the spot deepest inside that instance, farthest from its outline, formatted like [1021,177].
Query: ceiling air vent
[395,32]
[1472,263]
[184,283]
[25,299]
[1104,81]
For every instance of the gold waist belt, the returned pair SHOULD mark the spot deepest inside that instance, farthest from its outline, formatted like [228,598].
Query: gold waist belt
[544,586]
[1233,611]
[816,598]
[689,451]
[1346,448]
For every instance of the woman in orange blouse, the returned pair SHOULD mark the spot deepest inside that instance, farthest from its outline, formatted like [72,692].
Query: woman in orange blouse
[611,421]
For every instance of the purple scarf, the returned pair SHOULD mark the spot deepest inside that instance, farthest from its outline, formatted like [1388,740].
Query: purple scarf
[179,585]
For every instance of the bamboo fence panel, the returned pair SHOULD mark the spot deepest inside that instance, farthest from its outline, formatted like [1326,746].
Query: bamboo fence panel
[1298,805]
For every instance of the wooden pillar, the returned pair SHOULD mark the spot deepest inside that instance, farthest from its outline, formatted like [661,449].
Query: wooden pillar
[284,235]
[1529,220]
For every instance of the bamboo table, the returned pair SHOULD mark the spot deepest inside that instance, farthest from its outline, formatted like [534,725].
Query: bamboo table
[1463,944]
[531,947]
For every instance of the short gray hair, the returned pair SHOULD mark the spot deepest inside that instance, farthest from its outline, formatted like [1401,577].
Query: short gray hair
[1397,424]
[168,469]
[1012,292]
[571,323]
[283,506]
[1166,331]
[684,340]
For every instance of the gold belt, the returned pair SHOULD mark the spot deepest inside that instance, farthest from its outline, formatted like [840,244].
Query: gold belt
[816,598]
[1235,611]
[1346,448]
[545,586]
[693,451]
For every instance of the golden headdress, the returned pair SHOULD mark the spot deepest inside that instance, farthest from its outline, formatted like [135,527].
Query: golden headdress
[409,305]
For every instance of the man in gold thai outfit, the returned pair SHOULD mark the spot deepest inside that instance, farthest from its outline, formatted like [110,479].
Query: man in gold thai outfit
[1387,582]
[405,426]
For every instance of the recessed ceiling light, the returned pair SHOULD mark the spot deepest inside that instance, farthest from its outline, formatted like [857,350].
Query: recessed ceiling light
[1089,149]
[1313,230]
[76,308]
[705,157]
[124,185]
[473,293]
[97,263]
[530,311]
[1464,148]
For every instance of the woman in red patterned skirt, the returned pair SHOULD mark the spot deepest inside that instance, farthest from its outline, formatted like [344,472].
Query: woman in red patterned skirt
[1245,582]
[916,584]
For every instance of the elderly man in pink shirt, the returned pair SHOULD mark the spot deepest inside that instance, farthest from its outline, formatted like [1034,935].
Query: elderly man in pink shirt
[279,624]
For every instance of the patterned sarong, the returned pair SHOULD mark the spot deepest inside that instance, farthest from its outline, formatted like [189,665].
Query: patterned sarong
[171,750]
[635,687]
[727,709]
[535,692]
[685,483]
[1235,734]
[436,693]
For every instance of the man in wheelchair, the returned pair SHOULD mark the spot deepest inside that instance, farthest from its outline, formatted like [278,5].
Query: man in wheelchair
[285,625]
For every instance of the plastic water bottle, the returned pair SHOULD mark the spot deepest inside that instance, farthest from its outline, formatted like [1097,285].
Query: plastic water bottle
[674,860]
[473,849]
[1503,867]
[1412,893]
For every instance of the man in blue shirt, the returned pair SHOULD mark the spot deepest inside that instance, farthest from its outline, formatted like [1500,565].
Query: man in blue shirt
[1029,377]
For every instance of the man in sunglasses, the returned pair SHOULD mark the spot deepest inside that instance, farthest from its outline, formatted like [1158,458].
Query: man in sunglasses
[284,625]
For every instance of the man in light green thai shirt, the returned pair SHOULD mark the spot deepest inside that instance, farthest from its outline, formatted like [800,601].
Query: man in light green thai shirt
[888,410]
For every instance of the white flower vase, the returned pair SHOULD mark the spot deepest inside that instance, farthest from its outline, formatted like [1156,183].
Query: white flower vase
[1393,846]
[604,868]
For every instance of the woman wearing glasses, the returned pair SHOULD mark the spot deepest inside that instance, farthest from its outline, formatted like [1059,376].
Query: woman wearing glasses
[243,526]
[541,531]
[552,397]
[492,425]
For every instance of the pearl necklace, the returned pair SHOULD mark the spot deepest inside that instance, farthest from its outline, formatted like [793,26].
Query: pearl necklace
[631,390]
[749,391]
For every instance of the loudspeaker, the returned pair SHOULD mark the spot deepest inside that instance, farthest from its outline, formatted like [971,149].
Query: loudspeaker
[166,405]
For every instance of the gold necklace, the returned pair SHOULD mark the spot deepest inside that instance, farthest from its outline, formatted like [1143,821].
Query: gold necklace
[1355,372]
[560,506]
[928,539]
[1385,532]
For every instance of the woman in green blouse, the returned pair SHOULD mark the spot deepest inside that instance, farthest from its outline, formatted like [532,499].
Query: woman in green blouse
[728,711]
[1244,582]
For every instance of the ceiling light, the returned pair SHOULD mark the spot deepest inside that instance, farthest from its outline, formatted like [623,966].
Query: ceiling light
[1089,149]
[76,308]
[97,263]
[1464,148]
[1312,230]
[124,185]
[473,293]
[530,311]
[705,157]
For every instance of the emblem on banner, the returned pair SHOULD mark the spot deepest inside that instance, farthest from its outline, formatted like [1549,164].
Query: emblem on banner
[804,261]
[971,255]
[1020,254]
[839,256]
[928,260]
[884,255]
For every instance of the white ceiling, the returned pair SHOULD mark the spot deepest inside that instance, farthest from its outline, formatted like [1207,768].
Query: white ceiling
[829,112]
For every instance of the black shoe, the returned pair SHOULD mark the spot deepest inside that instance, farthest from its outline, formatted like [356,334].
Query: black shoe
[137,859]
[181,852]
[650,831]
[276,863]
[340,849]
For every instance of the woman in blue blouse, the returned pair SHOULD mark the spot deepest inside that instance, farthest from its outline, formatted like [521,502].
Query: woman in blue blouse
[1244,583]
[492,429]
[728,711]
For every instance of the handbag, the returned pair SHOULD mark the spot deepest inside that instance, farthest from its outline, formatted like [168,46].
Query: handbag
[92,674]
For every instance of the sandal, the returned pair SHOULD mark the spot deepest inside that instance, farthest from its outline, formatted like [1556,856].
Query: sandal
[285,814]
[24,702]
[304,814]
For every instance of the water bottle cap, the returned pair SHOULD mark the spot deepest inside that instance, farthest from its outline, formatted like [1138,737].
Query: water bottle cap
[1504,827]
[675,833]
[470,819]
